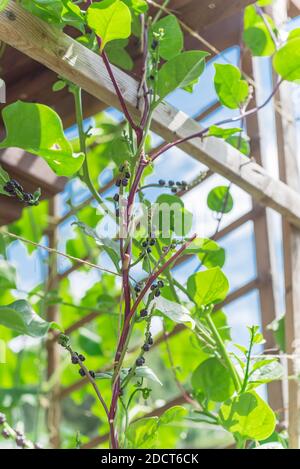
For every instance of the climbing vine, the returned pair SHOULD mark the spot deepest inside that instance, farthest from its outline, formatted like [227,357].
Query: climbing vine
[216,378]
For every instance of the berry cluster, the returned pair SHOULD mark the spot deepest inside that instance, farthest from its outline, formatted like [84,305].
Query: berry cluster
[124,176]
[18,436]
[15,189]
[76,358]
[175,186]
[155,287]
[146,245]
[145,348]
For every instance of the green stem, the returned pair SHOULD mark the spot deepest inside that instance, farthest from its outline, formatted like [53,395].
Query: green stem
[82,140]
[223,352]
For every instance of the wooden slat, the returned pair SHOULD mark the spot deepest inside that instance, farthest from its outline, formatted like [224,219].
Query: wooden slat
[72,60]
[263,255]
[289,171]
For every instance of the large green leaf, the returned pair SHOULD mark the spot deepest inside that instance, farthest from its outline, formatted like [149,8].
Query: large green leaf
[143,433]
[287,60]
[37,129]
[7,275]
[175,311]
[56,12]
[248,417]
[110,19]
[118,55]
[256,34]
[220,200]
[89,342]
[208,287]
[231,89]
[180,71]
[213,380]
[20,317]
[171,215]
[172,42]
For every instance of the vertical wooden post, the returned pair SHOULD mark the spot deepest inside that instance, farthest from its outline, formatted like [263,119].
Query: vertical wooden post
[263,255]
[54,413]
[289,173]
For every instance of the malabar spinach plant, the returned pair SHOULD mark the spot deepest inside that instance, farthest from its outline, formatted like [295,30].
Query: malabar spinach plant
[216,379]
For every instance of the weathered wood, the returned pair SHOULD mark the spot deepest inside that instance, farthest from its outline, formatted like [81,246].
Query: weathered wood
[72,60]
[265,271]
[289,172]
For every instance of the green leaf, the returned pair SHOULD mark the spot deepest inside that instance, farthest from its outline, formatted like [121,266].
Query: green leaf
[264,3]
[240,143]
[3,4]
[213,380]
[143,433]
[172,415]
[286,61]
[170,215]
[220,320]
[294,33]
[208,287]
[278,328]
[180,71]
[172,42]
[36,128]
[175,311]
[4,178]
[20,317]
[268,372]
[256,34]
[247,416]
[220,200]
[231,89]
[137,6]
[7,275]
[118,55]
[56,12]
[89,342]
[215,131]
[140,372]
[110,19]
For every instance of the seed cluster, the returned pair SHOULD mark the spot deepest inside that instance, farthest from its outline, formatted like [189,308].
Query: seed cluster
[15,189]
[175,186]
[155,287]
[76,358]
[124,176]
[16,435]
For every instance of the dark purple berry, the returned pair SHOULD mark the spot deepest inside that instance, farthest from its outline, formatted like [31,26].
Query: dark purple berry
[152,78]
[143,313]
[146,347]
[150,340]
[92,374]
[165,248]
[117,212]
[118,182]
[149,250]
[121,168]
[116,197]
[154,44]
[74,359]
[173,246]
[171,183]
[20,441]
[161,182]
[160,284]
[124,182]
[5,433]
[140,361]
[81,357]
[157,293]
[144,244]
[82,372]
[153,286]
[127,175]
[174,190]
[152,242]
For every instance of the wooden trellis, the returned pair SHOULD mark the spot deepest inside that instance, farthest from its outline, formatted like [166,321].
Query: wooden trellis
[68,58]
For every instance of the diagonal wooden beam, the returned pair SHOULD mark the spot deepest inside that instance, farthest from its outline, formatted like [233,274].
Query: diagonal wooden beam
[70,59]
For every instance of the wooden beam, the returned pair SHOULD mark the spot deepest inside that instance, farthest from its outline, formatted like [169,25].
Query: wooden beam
[265,270]
[289,171]
[82,66]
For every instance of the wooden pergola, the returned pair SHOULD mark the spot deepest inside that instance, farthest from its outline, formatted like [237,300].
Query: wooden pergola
[38,53]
